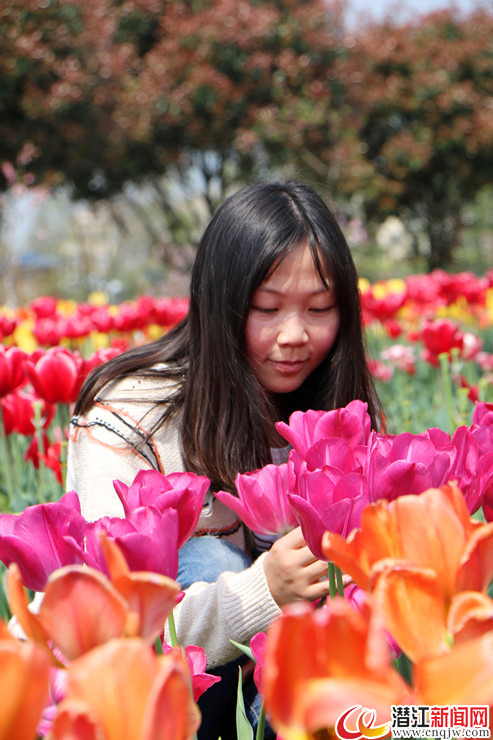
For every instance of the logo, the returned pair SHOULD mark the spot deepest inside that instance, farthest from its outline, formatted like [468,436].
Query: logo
[363,720]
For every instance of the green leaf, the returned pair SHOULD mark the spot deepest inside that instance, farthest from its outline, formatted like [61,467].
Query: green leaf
[243,727]
[244,649]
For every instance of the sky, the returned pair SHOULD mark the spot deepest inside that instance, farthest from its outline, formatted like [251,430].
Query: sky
[378,8]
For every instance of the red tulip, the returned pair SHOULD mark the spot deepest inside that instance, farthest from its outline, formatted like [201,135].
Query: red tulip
[56,375]
[18,413]
[439,336]
[12,373]
[50,456]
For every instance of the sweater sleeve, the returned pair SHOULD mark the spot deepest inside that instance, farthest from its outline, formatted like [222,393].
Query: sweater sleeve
[235,607]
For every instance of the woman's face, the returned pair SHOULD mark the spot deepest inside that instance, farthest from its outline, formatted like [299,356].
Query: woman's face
[292,323]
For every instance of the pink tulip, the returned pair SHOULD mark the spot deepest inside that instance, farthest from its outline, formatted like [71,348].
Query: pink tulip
[184,492]
[197,661]
[404,463]
[472,466]
[147,538]
[351,423]
[35,539]
[257,646]
[483,414]
[262,502]
[328,500]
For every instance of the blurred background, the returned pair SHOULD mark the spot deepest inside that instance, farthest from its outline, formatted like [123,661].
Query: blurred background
[124,123]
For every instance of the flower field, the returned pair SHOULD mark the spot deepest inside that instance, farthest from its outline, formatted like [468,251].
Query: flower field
[406,513]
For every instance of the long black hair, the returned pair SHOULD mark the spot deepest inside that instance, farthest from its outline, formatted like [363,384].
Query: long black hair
[226,416]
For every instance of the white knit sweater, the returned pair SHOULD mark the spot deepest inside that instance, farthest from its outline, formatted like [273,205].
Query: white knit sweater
[109,443]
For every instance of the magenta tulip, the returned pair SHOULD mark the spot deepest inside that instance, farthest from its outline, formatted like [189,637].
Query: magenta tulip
[351,423]
[147,538]
[257,646]
[262,501]
[35,539]
[197,661]
[404,464]
[184,492]
[328,500]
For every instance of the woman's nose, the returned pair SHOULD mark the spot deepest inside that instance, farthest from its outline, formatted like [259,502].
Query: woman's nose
[292,331]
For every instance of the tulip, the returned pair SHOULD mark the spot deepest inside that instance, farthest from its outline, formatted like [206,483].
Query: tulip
[12,374]
[81,608]
[196,661]
[50,457]
[415,555]
[257,646]
[405,463]
[184,492]
[440,336]
[56,375]
[262,502]
[122,691]
[147,538]
[352,423]
[24,686]
[319,662]
[18,413]
[463,676]
[35,538]
[331,502]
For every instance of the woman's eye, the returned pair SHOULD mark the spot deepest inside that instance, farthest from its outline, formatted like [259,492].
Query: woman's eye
[324,309]
[262,309]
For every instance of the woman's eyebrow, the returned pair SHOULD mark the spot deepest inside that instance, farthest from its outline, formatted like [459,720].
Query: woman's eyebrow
[320,291]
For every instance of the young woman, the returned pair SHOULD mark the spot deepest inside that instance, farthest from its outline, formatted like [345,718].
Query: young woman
[274,326]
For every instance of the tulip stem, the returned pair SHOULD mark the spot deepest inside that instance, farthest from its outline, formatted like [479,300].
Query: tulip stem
[447,385]
[38,425]
[332,580]
[340,584]
[7,462]
[172,630]
[259,735]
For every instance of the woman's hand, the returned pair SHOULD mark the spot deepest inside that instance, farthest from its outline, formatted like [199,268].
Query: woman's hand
[293,573]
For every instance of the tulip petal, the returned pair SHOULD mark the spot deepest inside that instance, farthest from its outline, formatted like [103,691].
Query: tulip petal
[24,688]
[413,608]
[470,615]
[73,721]
[81,610]
[462,676]
[18,604]
[151,597]
[171,713]
[115,680]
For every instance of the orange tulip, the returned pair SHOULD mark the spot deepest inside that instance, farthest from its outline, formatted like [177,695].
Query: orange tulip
[319,663]
[462,676]
[416,555]
[81,608]
[24,686]
[123,691]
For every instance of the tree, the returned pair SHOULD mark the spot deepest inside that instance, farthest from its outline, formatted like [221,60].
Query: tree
[419,139]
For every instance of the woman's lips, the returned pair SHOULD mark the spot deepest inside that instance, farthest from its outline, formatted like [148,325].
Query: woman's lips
[288,368]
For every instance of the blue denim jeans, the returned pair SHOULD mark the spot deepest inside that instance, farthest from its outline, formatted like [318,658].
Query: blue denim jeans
[204,559]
